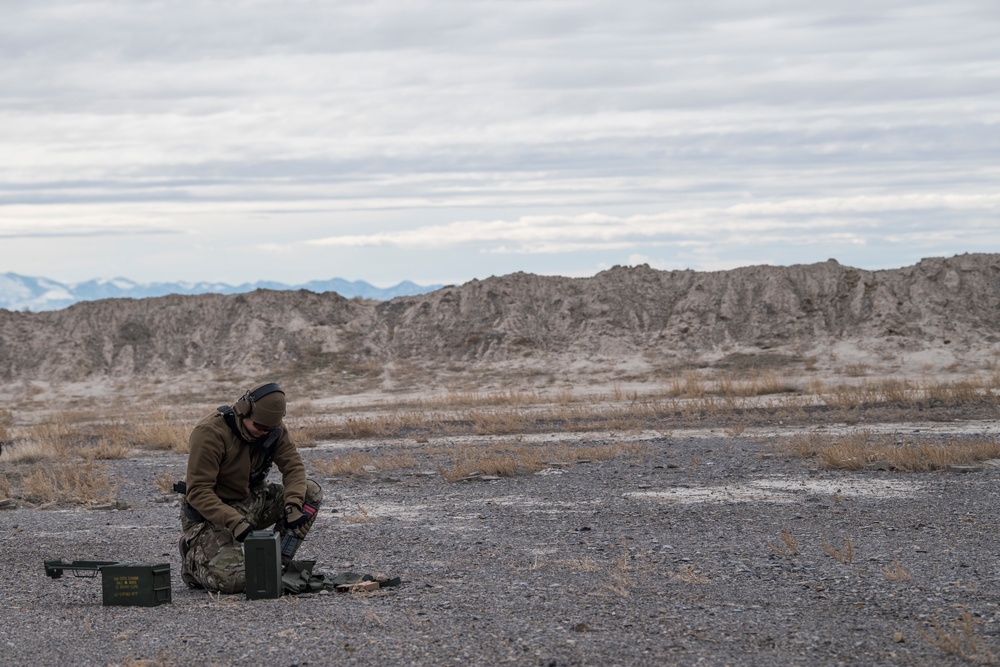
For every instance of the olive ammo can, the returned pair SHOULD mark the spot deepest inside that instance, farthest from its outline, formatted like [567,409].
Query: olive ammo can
[262,559]
[136,584]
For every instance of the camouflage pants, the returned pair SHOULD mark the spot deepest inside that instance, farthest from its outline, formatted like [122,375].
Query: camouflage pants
[214,559]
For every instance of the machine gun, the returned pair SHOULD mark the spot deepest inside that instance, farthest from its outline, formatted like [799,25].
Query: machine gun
[124,584]
[79,568]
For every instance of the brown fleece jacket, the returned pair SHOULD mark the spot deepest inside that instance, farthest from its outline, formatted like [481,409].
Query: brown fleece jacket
[219,465]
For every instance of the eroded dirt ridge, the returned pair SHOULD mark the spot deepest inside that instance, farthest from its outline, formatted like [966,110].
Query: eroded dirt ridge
[634,312]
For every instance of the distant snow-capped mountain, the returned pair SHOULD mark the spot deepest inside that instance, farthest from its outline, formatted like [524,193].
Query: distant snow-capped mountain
[28,293]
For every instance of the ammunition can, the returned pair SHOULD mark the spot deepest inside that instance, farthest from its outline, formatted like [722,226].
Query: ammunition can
[136,584]
[262,558]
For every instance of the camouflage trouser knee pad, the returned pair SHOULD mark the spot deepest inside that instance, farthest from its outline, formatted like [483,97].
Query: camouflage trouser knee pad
[214,559]
[226,572]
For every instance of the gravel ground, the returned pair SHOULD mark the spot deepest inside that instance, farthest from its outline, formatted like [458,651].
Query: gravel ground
[675,558]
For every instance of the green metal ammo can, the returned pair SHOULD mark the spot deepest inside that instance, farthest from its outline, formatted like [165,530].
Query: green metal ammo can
[136,584]
[262,558]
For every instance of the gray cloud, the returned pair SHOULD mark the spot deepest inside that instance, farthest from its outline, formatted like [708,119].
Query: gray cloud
[82,232]
[383,120]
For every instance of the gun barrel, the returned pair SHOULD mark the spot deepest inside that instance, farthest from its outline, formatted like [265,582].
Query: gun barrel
[55,568]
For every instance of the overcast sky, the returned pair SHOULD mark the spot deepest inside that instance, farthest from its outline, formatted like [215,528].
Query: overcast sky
[440,141]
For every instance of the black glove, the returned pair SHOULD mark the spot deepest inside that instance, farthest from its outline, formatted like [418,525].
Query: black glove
[296,516]
[242,530]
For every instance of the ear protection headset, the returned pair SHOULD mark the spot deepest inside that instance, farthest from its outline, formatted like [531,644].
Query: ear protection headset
[244,406]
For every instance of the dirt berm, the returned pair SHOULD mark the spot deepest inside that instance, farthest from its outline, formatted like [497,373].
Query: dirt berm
[943,310]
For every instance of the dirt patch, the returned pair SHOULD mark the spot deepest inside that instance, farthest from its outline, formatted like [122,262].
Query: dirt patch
[786,490]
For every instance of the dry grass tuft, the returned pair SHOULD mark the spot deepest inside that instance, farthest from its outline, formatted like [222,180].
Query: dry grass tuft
[70,435]
[368,426]
[844,554]
[111,441]
[510,397]
[42,442]
[856,370]
[165,481]
[735,430]
[958,393]
[4,486]
[304,437]
[489,422]
[159,661]
[395,460]
[688,574]
[584,564]
[82,483]
[860,450]
[619,578]
[803,445]
[6,422]
[906,393]
[373,619]
[756,385]
[107,450]
[345,465]
[359,515]
[362,463]
[960,639]
[689,386]
[856,451]
[896,572]
[467,461]
[789,545]
[160,431]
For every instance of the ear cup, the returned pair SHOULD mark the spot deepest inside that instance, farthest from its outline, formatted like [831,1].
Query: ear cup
[244,406]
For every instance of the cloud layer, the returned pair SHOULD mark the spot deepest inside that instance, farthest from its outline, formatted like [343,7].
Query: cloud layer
[441,141]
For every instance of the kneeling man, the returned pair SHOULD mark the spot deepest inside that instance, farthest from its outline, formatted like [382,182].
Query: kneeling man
[227,494]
